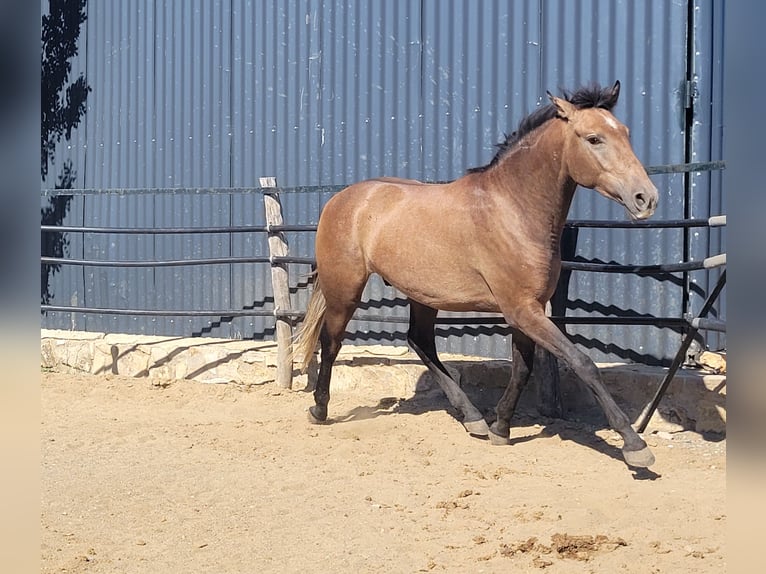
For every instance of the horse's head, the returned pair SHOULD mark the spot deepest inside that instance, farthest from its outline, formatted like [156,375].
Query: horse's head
[599,156]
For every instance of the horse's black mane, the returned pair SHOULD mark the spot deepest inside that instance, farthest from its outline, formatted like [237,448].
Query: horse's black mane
[593,96]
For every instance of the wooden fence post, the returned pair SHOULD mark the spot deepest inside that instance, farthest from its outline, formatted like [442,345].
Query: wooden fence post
[280,284]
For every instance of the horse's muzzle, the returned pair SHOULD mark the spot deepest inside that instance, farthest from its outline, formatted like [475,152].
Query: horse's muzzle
[642,204]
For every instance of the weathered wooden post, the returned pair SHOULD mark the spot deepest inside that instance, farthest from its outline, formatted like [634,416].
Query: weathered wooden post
[279,280]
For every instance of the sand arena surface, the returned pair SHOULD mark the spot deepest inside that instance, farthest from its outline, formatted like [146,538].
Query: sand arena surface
[150,475]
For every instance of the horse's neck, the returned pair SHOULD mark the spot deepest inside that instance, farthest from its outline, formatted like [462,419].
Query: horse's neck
[536,181]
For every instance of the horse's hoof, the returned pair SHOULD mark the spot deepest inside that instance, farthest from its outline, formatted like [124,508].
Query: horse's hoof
[497,439]
[639,458]
[314,418]
[477,428]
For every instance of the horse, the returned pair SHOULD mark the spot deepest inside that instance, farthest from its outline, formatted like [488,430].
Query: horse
[487,241]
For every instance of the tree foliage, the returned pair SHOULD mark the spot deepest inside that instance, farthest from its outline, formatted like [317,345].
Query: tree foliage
[63,103]
[63,106]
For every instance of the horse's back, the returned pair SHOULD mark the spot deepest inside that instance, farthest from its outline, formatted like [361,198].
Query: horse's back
[355,211]
[370,206]
[378,195]
[419,237]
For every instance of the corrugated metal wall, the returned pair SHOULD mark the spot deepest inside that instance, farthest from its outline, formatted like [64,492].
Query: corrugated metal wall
[216,93]
[705,191]
[643,44]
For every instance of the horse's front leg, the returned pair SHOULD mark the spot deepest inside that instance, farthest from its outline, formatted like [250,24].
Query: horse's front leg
[545,333]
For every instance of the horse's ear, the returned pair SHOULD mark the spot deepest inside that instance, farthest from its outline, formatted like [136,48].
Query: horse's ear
[615,93]
[564,109]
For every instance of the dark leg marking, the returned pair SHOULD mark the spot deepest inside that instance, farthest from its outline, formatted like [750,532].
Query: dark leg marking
[421,339]
[523,359]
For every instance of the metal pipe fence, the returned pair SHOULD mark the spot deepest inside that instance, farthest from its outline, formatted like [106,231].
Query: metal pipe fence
[282,261]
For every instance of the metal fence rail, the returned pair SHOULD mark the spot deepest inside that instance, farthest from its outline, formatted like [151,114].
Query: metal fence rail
[286,316]
[277,260]
[574,265]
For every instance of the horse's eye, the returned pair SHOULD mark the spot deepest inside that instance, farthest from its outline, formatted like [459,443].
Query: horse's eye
[593,140]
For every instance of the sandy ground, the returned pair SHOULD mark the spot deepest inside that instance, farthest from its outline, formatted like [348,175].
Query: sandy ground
[154,476]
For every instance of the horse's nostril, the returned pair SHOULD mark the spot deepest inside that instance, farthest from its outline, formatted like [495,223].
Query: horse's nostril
[640,200]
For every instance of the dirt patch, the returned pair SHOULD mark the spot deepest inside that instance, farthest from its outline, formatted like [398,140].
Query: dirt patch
[582,548]
[144,475]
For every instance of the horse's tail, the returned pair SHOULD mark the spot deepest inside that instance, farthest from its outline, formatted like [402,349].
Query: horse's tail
[308,334]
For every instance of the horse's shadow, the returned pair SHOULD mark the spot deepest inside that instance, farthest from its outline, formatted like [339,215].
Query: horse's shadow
[430,398]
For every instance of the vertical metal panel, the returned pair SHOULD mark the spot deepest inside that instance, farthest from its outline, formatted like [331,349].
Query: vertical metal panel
[642,44]
[158,115]
[324,92]
[203,287]
[706,194]
[119,56]
[65,285]
[480,76]
[120,288]
[250,283]
[192,58]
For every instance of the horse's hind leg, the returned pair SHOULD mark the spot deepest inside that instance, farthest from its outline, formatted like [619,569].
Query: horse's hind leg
[523,359]
[331,340]
[544,332]
[421,339]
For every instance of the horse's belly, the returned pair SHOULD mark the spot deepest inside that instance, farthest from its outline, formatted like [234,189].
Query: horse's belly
[444,293]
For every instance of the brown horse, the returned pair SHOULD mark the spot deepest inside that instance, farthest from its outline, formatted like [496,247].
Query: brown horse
[488,241]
